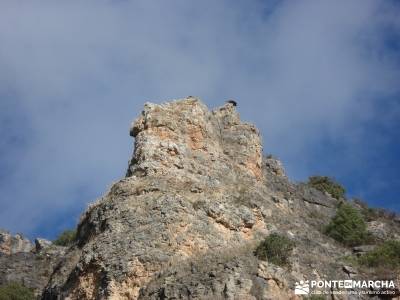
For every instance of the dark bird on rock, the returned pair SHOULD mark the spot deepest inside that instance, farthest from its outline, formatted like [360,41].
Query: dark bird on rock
[233,102]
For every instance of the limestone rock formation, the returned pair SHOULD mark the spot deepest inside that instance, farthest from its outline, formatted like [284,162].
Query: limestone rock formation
[197,199]
[184,222]
[183,139]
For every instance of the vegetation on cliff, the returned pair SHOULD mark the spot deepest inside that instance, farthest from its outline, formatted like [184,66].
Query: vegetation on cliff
[327,184]
[15,291]
[276,249]
[347,226]
[385,255]
[66,238]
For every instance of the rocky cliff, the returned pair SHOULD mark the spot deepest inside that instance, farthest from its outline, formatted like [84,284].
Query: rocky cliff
[184,222]
[197,199]
[25,263]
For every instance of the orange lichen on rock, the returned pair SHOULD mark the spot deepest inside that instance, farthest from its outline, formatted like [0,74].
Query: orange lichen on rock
[163,133]
[195,137]
[254,167]
[87,285]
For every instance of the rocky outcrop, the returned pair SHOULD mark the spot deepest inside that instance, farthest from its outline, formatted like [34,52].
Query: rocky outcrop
[197,198]
[25,264]
[42,244]
[10,244]
[184,139]
[275,166]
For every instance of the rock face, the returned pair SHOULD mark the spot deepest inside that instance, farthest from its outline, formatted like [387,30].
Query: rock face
[197,199]
[184,139]
[22,263]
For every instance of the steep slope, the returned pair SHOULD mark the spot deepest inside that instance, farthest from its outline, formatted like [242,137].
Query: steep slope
[197,199]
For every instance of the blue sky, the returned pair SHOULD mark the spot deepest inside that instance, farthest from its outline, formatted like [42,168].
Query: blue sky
[321,79]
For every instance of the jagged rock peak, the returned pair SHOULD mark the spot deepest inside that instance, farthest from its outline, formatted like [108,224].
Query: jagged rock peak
[10,244]
[184,138]
[274,166]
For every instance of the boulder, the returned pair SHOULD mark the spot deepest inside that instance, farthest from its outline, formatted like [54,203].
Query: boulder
[41,244]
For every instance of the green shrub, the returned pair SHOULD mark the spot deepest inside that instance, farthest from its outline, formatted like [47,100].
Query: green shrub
[327,184]
[66,238]
[386,255]
[276,249]
[15,291]
[348,226]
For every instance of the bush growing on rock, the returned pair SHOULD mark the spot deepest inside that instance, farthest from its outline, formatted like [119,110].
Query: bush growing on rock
[386,255]
[15,291]
[276,249]
[66,238]
[327,184]
[347,226]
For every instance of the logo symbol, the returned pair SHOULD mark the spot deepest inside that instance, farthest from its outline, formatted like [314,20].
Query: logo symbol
[348,284]
[302,287]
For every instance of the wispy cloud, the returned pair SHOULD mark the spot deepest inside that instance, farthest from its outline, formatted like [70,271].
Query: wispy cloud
[74,73]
